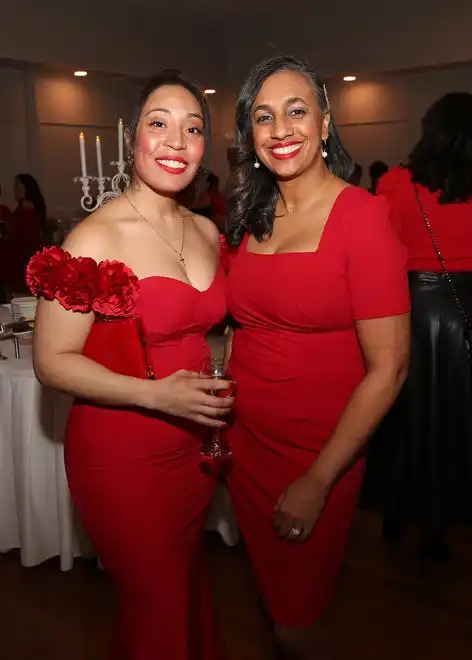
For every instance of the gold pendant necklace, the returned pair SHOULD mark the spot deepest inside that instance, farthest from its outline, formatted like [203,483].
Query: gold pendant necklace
[179,253]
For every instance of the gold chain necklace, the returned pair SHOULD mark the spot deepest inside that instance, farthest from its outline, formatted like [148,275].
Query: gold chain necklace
[179,253]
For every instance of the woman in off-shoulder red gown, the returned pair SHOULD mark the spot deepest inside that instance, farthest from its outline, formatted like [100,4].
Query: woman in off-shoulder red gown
[133,442]
[136,476]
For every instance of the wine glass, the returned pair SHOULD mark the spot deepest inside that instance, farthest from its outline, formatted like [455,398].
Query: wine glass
[216,449]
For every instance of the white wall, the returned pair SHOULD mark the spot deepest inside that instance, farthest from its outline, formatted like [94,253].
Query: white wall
[380,120]
[222,107]
[65,107]
[13,129]
[42,114]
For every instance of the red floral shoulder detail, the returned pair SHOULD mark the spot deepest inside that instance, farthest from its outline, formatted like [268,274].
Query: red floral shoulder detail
[81,284]
[117,289]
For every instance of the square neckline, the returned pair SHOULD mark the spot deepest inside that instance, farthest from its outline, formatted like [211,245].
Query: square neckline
[338,198]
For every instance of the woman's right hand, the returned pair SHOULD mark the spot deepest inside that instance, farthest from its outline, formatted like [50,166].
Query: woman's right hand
[189,395]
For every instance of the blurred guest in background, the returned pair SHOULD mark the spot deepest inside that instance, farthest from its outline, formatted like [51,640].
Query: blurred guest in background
[218,202]
[24,229]
[211,203]
[376,170]
[424,453]
[4,210]
[356,176]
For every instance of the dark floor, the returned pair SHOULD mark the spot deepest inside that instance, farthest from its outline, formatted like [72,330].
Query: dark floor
[388,608]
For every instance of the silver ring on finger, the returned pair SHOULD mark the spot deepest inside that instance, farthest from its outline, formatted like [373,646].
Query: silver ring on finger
[296,531]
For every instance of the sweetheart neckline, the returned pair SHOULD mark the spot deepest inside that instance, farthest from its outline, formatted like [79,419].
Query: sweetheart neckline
[187,284]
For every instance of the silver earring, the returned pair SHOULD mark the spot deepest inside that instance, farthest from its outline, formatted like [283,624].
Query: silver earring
[324,153]
[257,164]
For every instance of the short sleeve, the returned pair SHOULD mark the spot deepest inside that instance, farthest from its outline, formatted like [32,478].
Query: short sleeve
[376,260]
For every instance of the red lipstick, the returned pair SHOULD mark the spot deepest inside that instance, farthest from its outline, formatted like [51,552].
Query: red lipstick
[291,149]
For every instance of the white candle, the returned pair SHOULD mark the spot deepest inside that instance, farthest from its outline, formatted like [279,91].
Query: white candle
[83,162]
[120,140]
[99,157]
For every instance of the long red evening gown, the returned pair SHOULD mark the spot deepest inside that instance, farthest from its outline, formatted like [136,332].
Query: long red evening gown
[297,360]
[137,483]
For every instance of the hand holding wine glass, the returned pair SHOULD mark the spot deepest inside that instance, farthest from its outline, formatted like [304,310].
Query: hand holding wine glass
[186,394]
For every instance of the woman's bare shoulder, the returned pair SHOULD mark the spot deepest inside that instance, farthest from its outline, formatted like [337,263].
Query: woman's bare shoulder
[96,234]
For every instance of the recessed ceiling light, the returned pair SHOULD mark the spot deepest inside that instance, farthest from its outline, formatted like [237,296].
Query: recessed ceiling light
[80,74]
[210,91]
[349,78]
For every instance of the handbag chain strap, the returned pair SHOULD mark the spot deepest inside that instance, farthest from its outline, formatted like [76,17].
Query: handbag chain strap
[465,317]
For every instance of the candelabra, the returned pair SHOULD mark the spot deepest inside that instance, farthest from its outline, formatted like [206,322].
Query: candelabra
[119,182]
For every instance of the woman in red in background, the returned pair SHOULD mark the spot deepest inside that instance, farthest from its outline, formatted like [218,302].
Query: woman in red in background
[320,298]
[423,455]
[133,445]
[23,229]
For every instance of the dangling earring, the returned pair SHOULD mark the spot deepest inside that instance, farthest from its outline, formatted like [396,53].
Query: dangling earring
[130,158]
[257,164]
[324,153]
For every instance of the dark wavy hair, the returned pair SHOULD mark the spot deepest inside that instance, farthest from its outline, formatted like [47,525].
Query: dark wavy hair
[175,78]
[33,194]
[254,193]
[442,158]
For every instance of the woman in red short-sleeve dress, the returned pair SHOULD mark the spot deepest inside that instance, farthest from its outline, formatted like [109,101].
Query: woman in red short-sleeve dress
[319,294]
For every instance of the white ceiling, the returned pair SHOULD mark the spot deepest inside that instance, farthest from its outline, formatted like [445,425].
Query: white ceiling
[337,37]
[217,41]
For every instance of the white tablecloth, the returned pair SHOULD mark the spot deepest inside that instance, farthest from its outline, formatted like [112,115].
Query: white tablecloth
[36,511]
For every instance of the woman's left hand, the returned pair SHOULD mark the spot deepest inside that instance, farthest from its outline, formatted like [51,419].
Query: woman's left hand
[299,508]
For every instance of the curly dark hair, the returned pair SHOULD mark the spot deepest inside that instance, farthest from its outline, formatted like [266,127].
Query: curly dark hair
[442,158]
[254,193]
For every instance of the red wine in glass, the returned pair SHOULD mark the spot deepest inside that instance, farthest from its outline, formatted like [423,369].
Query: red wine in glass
[216,451]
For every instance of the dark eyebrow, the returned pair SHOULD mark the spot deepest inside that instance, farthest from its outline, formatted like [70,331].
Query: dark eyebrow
[296,99]
[194,115]
[262,107]
[290,101]
[167,112]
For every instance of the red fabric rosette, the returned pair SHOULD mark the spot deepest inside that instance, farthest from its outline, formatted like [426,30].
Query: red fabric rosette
[117,289]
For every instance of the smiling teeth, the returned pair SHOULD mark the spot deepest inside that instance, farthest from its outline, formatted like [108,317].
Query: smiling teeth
[286,150]
[176,164]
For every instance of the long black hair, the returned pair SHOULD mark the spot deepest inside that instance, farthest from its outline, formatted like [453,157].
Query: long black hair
[442,158]
[33,194]
[175,78]
[254,193]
